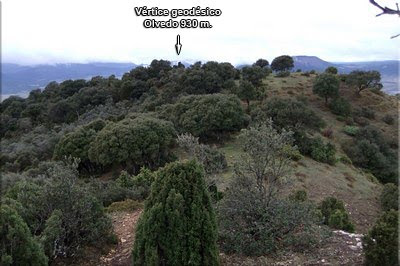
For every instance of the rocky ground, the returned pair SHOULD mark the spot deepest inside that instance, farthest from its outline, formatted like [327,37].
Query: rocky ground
[341,248]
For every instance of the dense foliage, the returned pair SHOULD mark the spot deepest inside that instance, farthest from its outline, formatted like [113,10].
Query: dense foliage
[206,116]
[178,202]
[59,199]
[370,150]
[326,86]
[254,219]
[247,226]
[134,143]
[261,63]
[388,119]
[288,113]
[297,116]
[362,80]
[320,151]
[212,160]
[340,106]
[77,143]
[139,184]
[246,91]
[381,245]
[335,215]
[390,197]
[282,63]
[18,246]
[254,74]
[78,146]
[331,70]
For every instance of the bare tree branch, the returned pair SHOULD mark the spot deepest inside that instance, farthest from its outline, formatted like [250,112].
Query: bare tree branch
[386,10]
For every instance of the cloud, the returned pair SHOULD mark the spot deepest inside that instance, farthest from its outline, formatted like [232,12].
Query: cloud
[48,31]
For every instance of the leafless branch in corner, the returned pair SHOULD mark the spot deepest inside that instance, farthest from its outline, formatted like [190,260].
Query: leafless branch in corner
[387,11]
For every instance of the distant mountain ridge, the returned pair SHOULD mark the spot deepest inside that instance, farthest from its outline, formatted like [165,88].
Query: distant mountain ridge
[307,63]
[18,79]
[389,69]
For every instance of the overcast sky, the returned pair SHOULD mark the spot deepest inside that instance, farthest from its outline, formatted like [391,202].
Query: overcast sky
[59,31]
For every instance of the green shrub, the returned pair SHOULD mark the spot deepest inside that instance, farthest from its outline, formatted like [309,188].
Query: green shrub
[288,113]
[321,152]
[83,218]
[381,245]
[282,74]
[365,112]
[328,206]
[261,63]
[315,148]
[388,119]
[370,150]
[331,70]
[340,106]
[254,74]
[246,91]
[390,197]
[350,130]
[303,142]
[144,180]
[52,234]
[342,77]
[60,196]
[133,142]
[326,86]
[299,195]
[282,63]
[206,116]
[76,144]
[335,215]
[339,219]
[108,192]
[368,113]
[124,180]
[18,246]
[364,80]
[254,218]
[179,199]
[249,226]
[212,160]
[32,198]
[139,185]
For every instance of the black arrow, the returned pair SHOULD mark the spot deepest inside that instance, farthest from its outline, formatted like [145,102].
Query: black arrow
[178,45]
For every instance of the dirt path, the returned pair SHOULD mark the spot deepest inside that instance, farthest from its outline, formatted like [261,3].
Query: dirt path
[124,227]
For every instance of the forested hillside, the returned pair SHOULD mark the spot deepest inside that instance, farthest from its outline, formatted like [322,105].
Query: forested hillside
[224,166]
